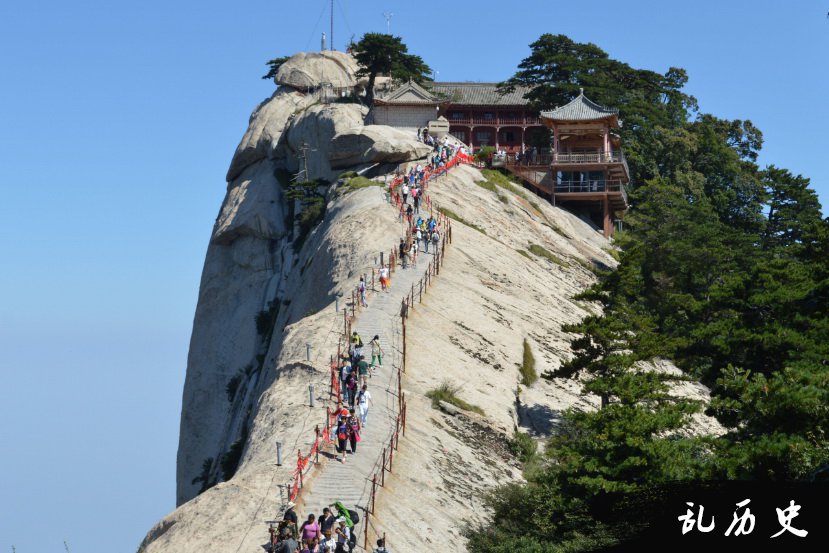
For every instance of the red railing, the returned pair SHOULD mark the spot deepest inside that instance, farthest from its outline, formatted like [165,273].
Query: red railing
[324,436]
[387,463]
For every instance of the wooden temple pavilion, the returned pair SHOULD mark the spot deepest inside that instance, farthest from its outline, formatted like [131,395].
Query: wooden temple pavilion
[476,113]
[479,115]
[585,166]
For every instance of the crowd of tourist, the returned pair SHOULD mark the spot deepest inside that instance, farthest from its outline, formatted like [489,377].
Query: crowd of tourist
[333,532]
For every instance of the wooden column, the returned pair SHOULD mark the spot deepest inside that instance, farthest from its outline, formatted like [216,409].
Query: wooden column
[608,222]
[607,142]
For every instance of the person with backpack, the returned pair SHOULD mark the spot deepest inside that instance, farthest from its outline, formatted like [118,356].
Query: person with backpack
[362,289]
[351,389]
[290,517]
[356,343]
[362,370]
[353,431]
[351,518]
[342,437]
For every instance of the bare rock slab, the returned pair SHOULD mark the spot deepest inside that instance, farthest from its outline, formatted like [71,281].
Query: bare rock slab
[375,144]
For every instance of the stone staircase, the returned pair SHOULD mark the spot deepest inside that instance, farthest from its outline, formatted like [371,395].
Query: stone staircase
[350,482]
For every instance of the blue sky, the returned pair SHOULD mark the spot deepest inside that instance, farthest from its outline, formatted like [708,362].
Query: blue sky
[117,124]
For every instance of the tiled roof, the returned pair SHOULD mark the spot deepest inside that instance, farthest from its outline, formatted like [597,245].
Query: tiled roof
[580,109]
[478,94]
[408,94]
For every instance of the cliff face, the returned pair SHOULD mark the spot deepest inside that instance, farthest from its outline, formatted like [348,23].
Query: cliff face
[263,301]
[252,270]
[469,330]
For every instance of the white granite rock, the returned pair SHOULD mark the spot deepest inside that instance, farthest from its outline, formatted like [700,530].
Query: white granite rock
[374,144]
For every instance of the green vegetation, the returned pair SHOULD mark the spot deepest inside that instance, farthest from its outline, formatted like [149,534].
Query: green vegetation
[204,476]
[541,251]
[265,320]
[586,264]
[312,210]
[448,392]
[487,185]
[482,155]
[524,253]
[497,178]
[523,447]
[613,252]
[233,385]
[555,228]
[273,66]
[357,182]
[528,374]
[452,215]
[381,53]
[230,460]
[724,269]
[236,380]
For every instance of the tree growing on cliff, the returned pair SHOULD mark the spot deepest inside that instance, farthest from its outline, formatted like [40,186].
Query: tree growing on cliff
[381,53]
[274,65]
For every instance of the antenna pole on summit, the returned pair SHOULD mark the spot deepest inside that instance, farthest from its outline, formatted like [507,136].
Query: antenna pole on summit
[331,36]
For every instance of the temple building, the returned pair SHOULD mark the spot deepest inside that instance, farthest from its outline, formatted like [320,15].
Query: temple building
[479,116]
[572,156]
[408,107]
[476,113]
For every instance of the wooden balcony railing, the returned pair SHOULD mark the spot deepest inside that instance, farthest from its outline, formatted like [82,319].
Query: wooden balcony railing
[590,186]
[495,121]
[599,156]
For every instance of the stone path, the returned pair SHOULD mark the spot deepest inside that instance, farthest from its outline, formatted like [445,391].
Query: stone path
[350,482]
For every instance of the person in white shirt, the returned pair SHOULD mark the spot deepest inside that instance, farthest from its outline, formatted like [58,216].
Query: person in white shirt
[363,401]
[384,278]
[343,533]
[327,541]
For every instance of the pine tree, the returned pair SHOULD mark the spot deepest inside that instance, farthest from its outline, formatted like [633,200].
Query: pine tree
[381,53]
